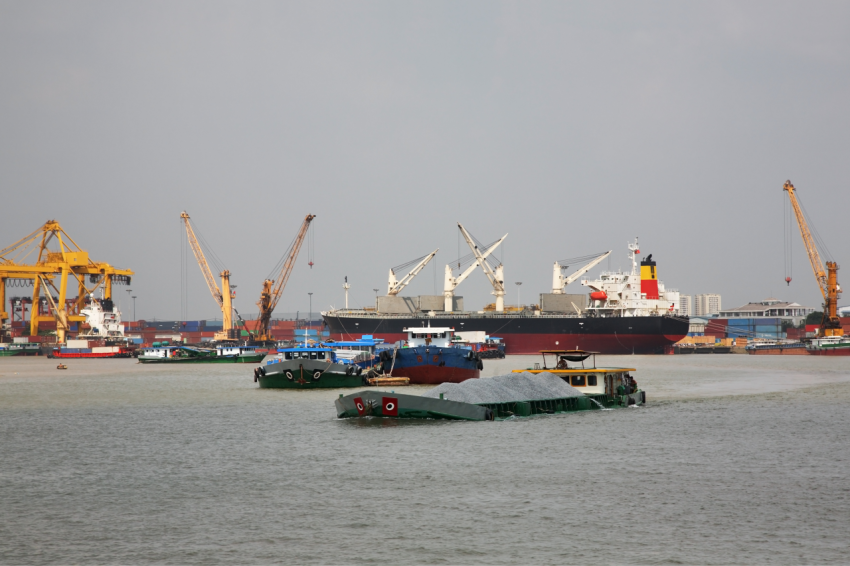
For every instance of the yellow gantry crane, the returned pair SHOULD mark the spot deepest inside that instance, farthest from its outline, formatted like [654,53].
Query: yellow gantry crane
[223,296]
[272,288]
[66,260]
[827,278]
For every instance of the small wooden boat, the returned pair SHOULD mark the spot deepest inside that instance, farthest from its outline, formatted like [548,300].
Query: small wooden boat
[388,380]
[61,366]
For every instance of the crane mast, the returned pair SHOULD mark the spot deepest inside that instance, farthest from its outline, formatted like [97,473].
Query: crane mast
[451,282]
[224,296]
[272,289]
[827,278]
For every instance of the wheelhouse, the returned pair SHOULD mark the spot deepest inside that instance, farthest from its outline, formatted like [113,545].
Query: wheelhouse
[590,380]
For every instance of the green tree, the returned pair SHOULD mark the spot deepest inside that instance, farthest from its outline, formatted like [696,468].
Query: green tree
[814,318]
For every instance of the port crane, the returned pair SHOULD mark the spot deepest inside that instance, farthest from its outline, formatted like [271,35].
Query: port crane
[394,286]
[497,279]
[272,288]
[223,296]
[827,278]
[65,260]
[559,282]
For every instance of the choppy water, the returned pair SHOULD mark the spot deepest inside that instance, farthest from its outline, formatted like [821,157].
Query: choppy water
[736,459]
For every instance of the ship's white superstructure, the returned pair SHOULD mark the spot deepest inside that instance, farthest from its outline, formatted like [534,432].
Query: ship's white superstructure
[102,323]
[621,294]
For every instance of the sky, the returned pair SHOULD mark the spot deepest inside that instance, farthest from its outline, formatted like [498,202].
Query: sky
[573,127]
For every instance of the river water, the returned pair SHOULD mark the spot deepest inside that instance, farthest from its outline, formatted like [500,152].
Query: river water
[736,460]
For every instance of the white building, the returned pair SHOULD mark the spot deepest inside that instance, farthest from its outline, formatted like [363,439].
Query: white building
[685,305]
[770,308]
[706,304]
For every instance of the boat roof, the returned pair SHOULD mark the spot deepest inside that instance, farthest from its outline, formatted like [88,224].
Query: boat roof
[567,352]
[307,349]
[354,343]
[429,329]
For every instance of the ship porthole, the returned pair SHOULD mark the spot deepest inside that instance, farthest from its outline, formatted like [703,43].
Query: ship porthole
[360,407]
[317,375]
[289,375]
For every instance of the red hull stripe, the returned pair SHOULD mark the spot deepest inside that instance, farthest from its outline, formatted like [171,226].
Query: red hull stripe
[434,375]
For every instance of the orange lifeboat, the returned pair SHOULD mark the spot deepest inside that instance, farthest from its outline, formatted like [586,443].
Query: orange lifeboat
[598,296]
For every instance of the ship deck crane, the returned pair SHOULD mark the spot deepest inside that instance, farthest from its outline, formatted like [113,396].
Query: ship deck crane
[223,296]
[452,282]
[272,288]
[395,286]
[69,260]
[559,282]
[827,279]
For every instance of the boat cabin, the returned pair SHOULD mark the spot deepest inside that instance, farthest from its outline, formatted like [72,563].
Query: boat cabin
[231,350]
[590,381]
[356,351]
[163,352]
[430,336]
[306,353]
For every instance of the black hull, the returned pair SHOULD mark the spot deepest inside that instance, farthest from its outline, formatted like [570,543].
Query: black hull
[530,334]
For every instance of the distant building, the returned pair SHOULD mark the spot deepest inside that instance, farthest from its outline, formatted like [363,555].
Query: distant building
[685,305]
[706,304]
[769,308]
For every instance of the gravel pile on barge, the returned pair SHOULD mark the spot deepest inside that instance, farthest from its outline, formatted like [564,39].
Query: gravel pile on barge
[506,388]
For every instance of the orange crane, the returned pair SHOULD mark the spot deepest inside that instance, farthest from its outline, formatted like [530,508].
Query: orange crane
[827,278]
[224,296]
[272,288]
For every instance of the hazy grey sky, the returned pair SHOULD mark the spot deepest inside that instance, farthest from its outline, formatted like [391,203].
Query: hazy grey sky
[572,126]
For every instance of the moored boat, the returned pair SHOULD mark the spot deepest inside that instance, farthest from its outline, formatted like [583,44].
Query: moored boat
[20,349]
[188,354]
[308,367]
[776,348]
[430,356]
[829,346]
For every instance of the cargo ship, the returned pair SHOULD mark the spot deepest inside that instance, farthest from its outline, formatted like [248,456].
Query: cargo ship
[105,337]
[20,349]
[624,313]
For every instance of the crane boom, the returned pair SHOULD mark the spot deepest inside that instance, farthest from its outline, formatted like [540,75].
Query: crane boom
[559,281]
[394,286]
[451,282]
[497,279]
[223,296]
[827,278]
[808,240]
[272,289]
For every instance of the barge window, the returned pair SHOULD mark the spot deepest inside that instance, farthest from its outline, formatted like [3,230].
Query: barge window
[591,379]
[321,355]
[287,355]
[312,355]
[577,380]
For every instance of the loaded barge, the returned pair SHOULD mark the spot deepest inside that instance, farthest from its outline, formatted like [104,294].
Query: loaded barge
[524,393]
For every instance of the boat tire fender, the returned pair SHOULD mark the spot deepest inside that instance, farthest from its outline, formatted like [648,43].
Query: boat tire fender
[316,375]
[261,371]
[359,371]
[289,375]
[348,370]
[480,365]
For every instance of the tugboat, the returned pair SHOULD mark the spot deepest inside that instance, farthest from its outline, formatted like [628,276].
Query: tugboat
[431,356]
[308,367]
[829,346]
[187,354]
[523,393]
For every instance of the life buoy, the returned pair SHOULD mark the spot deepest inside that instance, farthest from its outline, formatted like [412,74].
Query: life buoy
[289,375]
[317,374]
